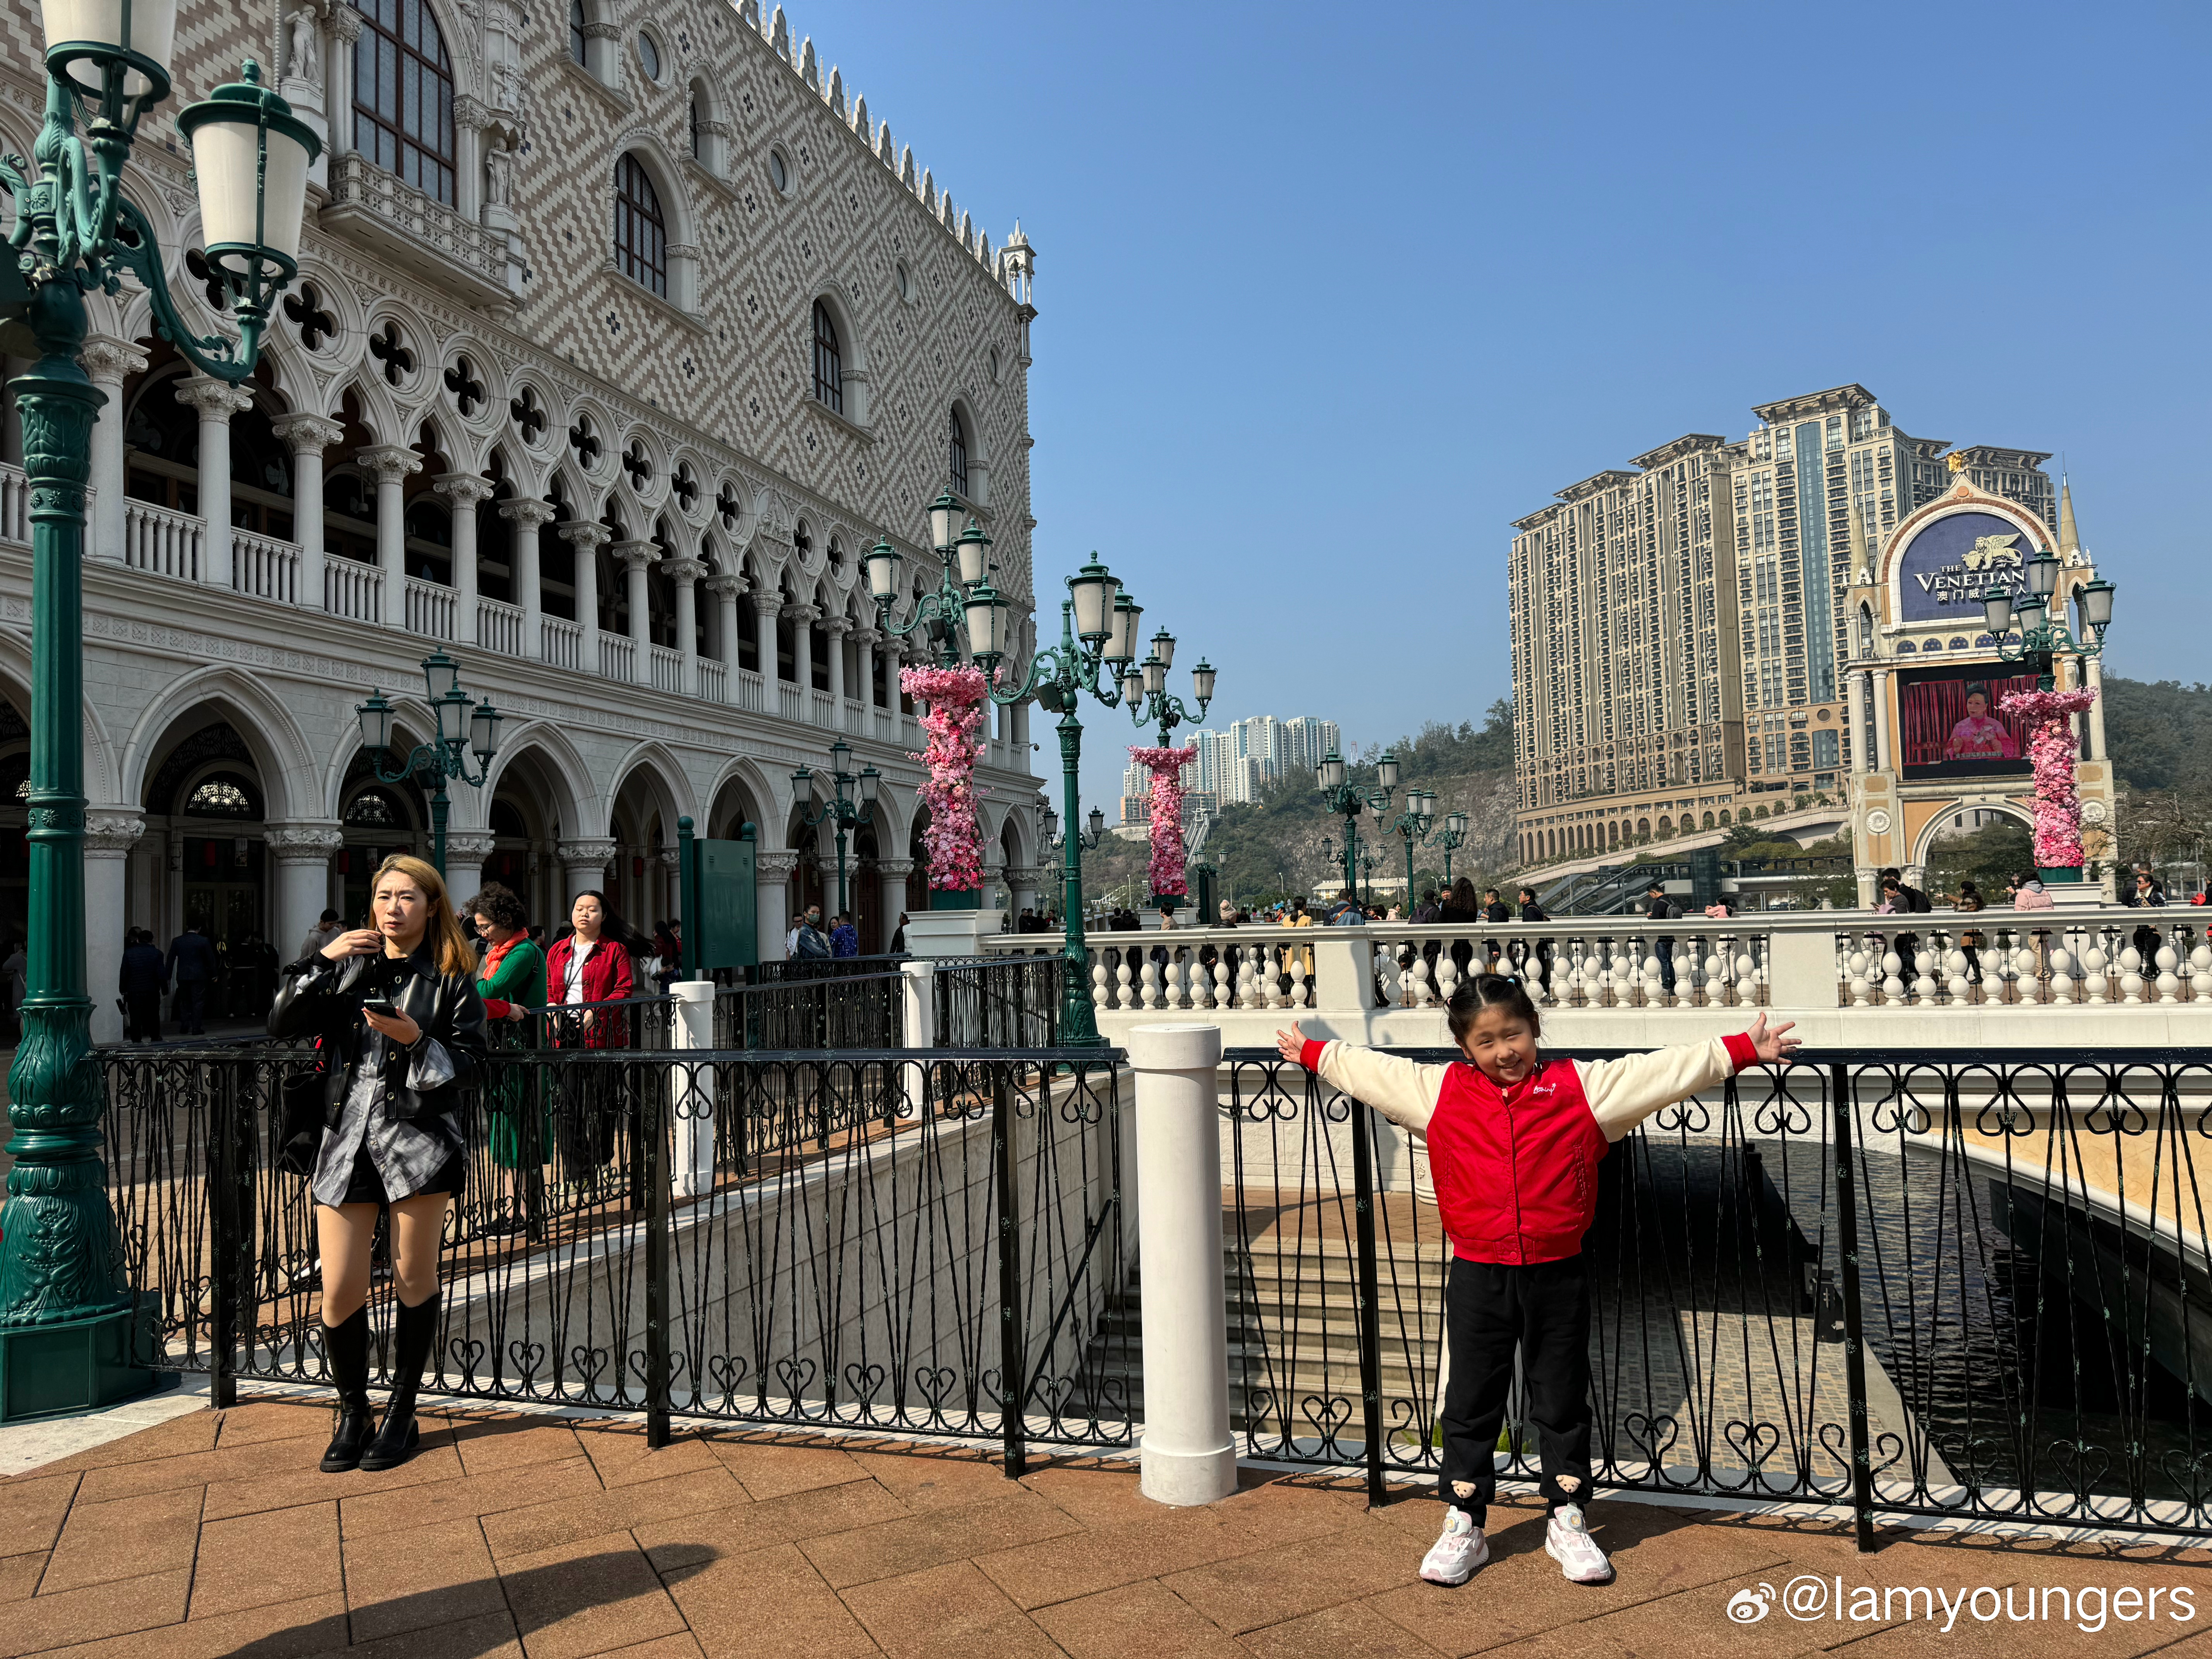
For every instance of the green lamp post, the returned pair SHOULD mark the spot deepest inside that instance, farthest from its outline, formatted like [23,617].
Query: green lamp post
[70,1334]
[464,725]
[1349,800]
[1145,690]
[1454,838]
[1413,826]
[852,802]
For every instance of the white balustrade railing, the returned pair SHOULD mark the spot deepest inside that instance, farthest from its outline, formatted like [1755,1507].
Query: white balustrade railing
[14,505]
[429,609]
[822,709]
[498,626]
[163,542]
[855,717]
[564,642]
[617,656]
[265,567]
[748,690]
[353,590]
[713,680]
[667,669]
[2047,958]
[787,701]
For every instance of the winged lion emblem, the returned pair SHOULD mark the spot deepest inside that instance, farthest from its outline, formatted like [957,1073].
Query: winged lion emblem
[1993,552]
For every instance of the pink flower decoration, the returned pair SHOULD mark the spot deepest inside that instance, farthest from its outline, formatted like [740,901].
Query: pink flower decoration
[953,838]
[2050,749]
[1166,766]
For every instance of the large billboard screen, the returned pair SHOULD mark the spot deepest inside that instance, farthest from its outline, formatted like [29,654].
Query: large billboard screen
[1950,723]
[1947,565]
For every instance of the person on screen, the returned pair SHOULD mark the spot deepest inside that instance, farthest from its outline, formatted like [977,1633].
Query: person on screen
[1980,736]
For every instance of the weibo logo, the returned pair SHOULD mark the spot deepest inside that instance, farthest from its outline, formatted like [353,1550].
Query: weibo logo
[1748,1606]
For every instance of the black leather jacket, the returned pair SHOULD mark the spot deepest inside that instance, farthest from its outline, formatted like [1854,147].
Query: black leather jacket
[322,999]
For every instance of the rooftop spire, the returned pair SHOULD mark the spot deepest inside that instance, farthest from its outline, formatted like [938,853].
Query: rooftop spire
[2069,538]
[1860,573]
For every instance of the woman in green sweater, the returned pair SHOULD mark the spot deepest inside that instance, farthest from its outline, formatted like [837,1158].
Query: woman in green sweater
[512,982]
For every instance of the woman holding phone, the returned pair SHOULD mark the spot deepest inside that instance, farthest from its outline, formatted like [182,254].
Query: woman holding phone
[395,1010]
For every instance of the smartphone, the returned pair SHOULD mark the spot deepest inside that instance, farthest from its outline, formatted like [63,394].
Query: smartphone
[380,1002]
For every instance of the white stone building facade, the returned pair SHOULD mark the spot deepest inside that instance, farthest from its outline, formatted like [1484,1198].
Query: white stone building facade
[616,341]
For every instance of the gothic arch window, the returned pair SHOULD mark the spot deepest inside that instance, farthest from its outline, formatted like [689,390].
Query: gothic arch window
[829,360]
[579,44]
[641,230]
[957,456]
[403,95]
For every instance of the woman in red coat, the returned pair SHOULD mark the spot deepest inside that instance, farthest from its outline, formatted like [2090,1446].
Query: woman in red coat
[591,965]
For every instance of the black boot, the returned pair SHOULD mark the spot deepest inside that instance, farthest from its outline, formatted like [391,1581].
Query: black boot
[413,1331]
[346,1346]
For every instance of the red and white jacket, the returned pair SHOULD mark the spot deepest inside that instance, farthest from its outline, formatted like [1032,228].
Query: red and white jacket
[1516,1170]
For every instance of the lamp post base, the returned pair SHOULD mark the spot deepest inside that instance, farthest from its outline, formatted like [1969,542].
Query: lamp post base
[77,1365]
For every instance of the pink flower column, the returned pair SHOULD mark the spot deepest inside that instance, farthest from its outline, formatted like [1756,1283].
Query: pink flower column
[2050,748]
[953,839]
[1166,766]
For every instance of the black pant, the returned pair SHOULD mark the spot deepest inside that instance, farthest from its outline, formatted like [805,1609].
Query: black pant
[192,1006]
[1664,950]
[1544,1309]
[144,1024]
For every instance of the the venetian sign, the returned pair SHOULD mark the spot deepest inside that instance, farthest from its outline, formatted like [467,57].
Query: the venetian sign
[1951,561]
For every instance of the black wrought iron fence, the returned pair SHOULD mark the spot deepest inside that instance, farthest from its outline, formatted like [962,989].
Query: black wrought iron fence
[926,1243]
[828,1010]
[999,1002]
[1970,1284]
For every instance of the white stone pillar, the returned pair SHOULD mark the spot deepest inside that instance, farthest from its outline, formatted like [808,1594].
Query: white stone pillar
[586,539]
[772,918]
[390,465]
[1881,755]
[837,628]
[110,362]
[585,863]
[215,403]
[866,639]
[803,618]
[1186,1455]
[527,517]
[337,78]
[307,436]
[109,835]
[301,854]
[1019,717]
[1862,726]
[686,574]
[463,492]
[636,557]
[2097,711]
[892,873]
[466,852]
[766,608]
[726,589]
[919,1015]
[694,1089]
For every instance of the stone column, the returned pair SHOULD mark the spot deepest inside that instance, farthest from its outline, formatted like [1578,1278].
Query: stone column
[892,873]
[772,920]
[301,854]
[391,464]
[110,362]
[865,639]
[726,589]
[1881,760]
[669,898]
[837,628]
[215,403]
[686,574]
[1861,727]
[109,835]
[2095,749]
[586,539]
[527,517]
[337,78]
[307,436]
[585,863]
[766,608]
[1018,715]
[636,557]
[464,860]
[803,618]
[463,492]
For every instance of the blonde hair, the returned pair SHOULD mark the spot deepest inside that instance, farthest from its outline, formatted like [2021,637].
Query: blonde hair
[443,929]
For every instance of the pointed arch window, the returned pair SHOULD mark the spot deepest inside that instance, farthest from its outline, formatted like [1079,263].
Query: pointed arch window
[829,360]
[641,232]
[580,45]
[957,460]
[403,95]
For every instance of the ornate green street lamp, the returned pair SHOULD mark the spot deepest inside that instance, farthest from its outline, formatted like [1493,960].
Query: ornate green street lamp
[1349,800]
[68,1336]
[1413,826]
[1454,838]
[853,801]
[464,725]
[2044,635]
[1145,690]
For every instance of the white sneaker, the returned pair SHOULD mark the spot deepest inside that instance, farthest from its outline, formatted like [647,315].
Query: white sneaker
[1457,1551]
[1567,1540]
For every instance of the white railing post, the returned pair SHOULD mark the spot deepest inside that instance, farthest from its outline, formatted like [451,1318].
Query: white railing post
[1186,1453]
[693,1088]
[920,993]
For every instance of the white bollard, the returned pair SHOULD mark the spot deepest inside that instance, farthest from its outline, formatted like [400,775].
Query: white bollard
[1186,1455]
[693,1094]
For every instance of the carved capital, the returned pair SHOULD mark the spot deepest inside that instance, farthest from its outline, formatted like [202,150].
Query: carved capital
[345,24]
[589,853]
[390,462]
[603,31]
[725,587]
[837,627]
[803,613]
[468,111]
[111,362]
[530,513]
[685,570]
[112,832]
[469,848]
[215,400]
[303,433]
[768,605]
[774,866]
[671,858]
[867,636]
[299,844]
[583,535]
[894,866]
[635,555]
[463,490]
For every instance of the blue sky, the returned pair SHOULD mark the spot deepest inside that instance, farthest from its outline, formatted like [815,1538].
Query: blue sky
[1329,295]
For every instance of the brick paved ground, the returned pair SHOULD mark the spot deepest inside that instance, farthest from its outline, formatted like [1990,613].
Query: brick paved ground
[214,1535]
